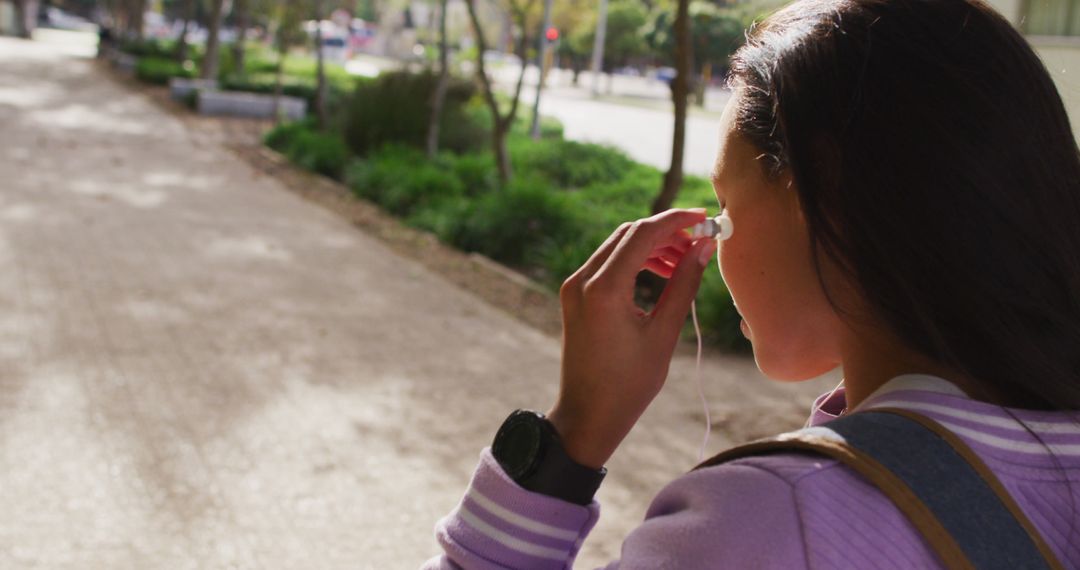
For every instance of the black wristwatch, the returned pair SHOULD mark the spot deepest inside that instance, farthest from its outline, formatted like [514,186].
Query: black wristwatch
[529,449]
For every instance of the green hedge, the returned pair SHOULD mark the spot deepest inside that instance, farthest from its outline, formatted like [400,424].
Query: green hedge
[402,180]
[149,48]
[324,153]
[394,109]
[569,164]
[157,70]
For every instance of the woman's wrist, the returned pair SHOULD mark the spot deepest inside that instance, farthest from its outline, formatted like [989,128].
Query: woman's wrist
[585,442]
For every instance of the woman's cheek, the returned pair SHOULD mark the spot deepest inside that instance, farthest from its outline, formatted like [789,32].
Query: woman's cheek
[728,259]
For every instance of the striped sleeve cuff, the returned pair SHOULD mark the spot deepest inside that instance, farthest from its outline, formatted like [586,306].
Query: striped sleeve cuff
[500,525]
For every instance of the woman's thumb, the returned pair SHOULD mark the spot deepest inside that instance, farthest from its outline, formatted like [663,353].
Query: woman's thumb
[680,291]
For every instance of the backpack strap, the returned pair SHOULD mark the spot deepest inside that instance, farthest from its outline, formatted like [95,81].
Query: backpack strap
[947,492]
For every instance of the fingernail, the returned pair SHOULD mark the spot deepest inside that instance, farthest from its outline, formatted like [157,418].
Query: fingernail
[707,251]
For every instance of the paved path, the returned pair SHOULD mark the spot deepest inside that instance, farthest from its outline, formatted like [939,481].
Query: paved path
[198,369]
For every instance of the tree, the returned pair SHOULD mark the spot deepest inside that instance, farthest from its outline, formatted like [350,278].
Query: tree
[367,10]
[571,17]
[318,8]
[438,98]
[213,42]
[320,69]
[22,26]
[716,33]
[242,16]
[680,88]
[287,17]
[135,21]
[501,122]
[623,40]
[188,14]
[718,39]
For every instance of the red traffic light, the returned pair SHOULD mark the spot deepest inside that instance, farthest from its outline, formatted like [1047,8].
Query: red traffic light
[552,34]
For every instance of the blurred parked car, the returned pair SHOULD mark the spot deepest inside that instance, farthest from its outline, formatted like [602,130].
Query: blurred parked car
[335,48]
[665,74]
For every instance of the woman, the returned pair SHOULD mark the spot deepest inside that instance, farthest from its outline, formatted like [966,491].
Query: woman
[905,192]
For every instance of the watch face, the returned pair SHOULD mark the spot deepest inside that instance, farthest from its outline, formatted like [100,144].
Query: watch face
[517,445]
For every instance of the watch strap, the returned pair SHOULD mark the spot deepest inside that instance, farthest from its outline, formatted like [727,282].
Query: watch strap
[531,453]
[558,475]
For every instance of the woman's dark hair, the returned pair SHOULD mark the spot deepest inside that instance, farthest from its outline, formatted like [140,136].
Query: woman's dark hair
[935,165]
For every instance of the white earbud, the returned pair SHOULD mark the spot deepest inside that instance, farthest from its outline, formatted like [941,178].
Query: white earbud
[719,228]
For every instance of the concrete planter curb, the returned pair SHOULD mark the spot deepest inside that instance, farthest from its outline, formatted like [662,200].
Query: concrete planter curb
[180,88]
[252,105]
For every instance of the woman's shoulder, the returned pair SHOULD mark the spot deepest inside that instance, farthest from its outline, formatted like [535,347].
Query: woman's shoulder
[797,508]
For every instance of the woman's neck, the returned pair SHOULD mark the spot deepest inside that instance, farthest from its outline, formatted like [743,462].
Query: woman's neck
[869,360]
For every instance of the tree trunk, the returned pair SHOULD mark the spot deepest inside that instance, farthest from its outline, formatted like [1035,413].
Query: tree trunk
[439,96]
[278,74]
[599,38]
[320,71]
[239,50]
[541,60]
[679,91]
[213,43]
[181,41]
[497,138]
[702,86]
[501,122]
[135,23]
[502,156]
[22,29]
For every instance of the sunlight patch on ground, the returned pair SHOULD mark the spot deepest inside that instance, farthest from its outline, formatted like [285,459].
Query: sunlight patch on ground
[81,117]
[250,247]
[135,197]
[28,95]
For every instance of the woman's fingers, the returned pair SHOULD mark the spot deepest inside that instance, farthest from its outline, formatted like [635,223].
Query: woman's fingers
[633,249]
[663,260]
[597,259]
[668,253]
[674,304]
[660,267]
[680,240]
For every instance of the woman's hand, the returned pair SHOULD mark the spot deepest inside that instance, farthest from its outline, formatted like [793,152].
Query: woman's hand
[615,356]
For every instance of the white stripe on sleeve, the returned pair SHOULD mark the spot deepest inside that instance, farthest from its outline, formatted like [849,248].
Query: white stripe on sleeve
[509,541]
[518,520]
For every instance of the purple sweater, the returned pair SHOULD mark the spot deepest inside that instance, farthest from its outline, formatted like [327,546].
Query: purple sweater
[784,511]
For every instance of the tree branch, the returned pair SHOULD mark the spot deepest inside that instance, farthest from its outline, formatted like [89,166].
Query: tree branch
[481,45]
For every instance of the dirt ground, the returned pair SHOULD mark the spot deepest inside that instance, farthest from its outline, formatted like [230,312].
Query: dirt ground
[200,368]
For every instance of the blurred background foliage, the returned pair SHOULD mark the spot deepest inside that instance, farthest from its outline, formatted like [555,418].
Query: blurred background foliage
[563,198]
